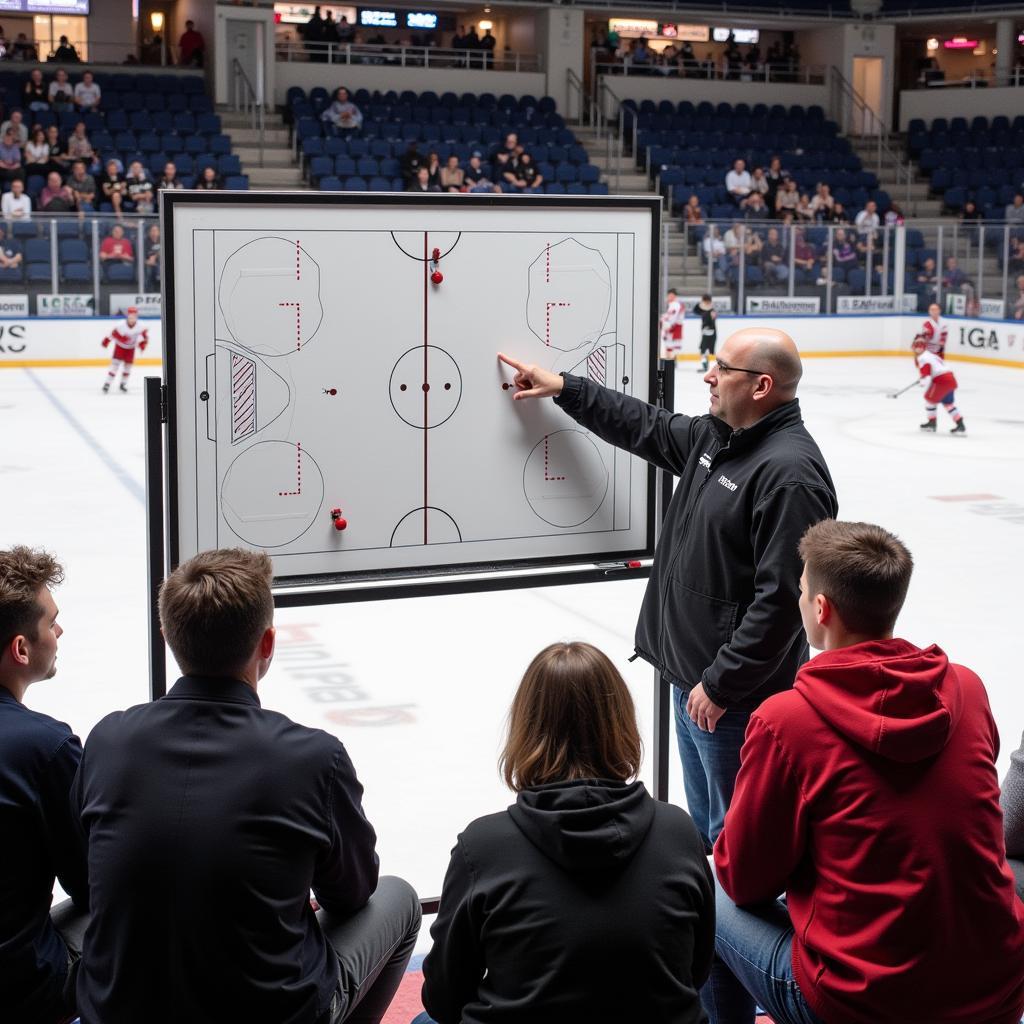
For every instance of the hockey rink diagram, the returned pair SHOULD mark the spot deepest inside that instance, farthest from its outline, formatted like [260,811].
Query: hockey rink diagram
[355,369]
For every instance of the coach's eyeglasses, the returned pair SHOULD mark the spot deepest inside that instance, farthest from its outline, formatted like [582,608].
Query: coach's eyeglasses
[726,368]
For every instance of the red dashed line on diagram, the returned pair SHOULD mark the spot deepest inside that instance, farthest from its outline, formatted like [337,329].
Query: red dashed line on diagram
[298,322]
[298,474]
[298,261]
[548,306]
[547,475]
[547,263]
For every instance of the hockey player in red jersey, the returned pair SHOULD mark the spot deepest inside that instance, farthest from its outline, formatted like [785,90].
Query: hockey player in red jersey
[935,331]
[126,336]
[941,387]
[672,326]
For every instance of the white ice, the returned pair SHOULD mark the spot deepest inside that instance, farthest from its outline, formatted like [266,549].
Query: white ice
[444,670]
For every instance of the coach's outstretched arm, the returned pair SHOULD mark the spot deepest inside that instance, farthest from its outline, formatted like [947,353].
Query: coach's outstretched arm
[661,437]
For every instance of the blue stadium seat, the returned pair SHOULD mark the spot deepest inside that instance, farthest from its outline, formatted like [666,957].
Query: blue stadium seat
[237,182]
[355,184]
[331,183]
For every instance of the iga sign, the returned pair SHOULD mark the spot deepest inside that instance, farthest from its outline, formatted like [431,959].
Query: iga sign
[65,305]
[147,303]
[781,305]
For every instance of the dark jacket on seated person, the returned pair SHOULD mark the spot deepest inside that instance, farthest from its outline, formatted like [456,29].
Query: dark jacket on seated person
[583,901]
[208,821]
[38,842]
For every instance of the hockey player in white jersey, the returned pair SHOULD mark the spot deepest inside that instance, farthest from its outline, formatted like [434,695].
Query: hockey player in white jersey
[127,336]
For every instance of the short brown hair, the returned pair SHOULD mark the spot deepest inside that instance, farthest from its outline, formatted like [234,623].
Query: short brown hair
[862,569]
[23,571]
[572,718]
[215,607]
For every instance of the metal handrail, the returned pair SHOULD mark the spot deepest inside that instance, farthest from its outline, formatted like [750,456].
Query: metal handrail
[709,70]
[846,106]
[603,93]
[406,56]
[245,99]
[577,91]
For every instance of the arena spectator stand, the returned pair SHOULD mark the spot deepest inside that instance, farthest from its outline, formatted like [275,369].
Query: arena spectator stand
[445,124]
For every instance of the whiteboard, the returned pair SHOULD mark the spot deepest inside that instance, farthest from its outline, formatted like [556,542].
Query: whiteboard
[314,365]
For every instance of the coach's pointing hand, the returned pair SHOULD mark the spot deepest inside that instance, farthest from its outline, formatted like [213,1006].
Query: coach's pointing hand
[533,381]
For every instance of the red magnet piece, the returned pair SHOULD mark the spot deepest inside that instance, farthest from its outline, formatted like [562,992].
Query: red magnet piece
[437,277]
[339,522]
[435,255]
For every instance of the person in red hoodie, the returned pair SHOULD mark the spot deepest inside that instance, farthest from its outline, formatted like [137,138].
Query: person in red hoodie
[868,795]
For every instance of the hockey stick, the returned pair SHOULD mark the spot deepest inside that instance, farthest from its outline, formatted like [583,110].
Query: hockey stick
[896,394]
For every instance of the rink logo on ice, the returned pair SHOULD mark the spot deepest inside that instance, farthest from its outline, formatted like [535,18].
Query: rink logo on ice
[726,483]
[65,305]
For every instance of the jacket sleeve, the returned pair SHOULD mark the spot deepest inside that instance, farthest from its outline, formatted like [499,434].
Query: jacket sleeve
[1012,800]
[64,836]
[346,876]
[765,833]
[454,967]
[661,437]
[772,621]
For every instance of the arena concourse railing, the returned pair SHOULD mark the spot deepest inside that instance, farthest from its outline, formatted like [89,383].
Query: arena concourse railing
[712,70]
[406,56]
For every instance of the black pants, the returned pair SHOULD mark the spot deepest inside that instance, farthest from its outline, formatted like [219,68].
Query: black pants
[707,343]
[1017,866]
[70,925]
[374,947]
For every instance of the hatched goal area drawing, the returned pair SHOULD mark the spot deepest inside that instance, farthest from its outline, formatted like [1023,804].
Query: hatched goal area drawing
[339,401]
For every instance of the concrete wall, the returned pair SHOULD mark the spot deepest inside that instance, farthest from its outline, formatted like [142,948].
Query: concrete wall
[676,89]
[371,76]
[560,39]
[111,26]
[947,101]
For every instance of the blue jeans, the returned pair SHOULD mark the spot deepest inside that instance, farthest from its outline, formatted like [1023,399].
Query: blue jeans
[710,763]
[753,966]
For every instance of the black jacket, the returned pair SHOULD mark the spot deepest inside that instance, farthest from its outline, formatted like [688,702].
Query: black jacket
[584,901]
[721,604]
[208,821]
[38,842]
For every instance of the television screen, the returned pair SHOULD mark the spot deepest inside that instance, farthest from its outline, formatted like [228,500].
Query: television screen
[46,6]
[377,18]
[739,35]
[420,19]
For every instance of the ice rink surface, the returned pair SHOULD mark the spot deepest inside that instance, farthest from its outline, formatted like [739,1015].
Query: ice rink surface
[418,689]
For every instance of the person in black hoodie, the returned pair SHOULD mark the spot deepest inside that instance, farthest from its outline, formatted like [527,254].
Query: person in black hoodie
[586,900]
[720,619]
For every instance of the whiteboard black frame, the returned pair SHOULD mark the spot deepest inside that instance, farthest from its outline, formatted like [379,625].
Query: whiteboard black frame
[464,577]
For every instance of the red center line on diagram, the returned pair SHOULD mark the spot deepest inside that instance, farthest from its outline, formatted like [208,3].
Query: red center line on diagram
[426,379]
[298,474]
[548,306]
[298,323]
[547,474]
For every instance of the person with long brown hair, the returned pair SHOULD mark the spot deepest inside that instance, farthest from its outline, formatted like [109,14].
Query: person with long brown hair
[586,899]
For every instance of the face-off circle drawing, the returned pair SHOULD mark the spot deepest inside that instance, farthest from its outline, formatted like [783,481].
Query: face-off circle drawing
[565,479]
[272,493]
[425,386]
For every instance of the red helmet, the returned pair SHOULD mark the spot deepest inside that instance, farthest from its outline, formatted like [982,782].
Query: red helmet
[918,344]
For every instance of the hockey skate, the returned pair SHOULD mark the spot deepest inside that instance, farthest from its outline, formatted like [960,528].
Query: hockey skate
[930,425]
[123,387]
[703,368]
[106,387]
[959,428]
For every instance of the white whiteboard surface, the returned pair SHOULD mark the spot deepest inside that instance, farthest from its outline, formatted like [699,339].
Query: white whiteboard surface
[313,365]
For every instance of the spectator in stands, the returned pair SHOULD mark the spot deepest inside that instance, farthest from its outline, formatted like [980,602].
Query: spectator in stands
[844,253]
[59,160]
[805,256]
[312,35]
[169,179]
[65,54]
[716,253]
[1017,309]
[37,152]
[191,47]
[112,186]
[24,48]
[488,44]
[452,175]
[10,158]
[504,155]
[894,215]
[139,188]
[1015,263]
[61,93]
[733,59]
[758,184]
[735,240]
[955,280]
[116,248]
[754,207]
[88,93]
[209,180]
[823,203]
[640,57]
[692,211]
[35,95]
[839,215]
[864,773]
[737,182]
[56,197]
[434,169]
[867,223]
[774,259]
[11,254]
[532,181]
[83,187]
[80,148]
[584,875]
[16,123]
[927,279]
[787,199]
[410,162]
[151,256]
[970,214]
[475,176]
[345,30]
[422,182]
[16,204]
[775,177]
[346,117]
[1014,212]
[804,213]
[752,245]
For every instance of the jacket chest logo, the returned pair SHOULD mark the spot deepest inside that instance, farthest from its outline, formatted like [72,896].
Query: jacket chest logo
[726,482]
[705,461]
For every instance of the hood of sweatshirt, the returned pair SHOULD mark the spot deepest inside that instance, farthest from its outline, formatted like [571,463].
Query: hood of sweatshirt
[586,825]
[888,696]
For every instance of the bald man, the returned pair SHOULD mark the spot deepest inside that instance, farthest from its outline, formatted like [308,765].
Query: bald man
[720,619]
